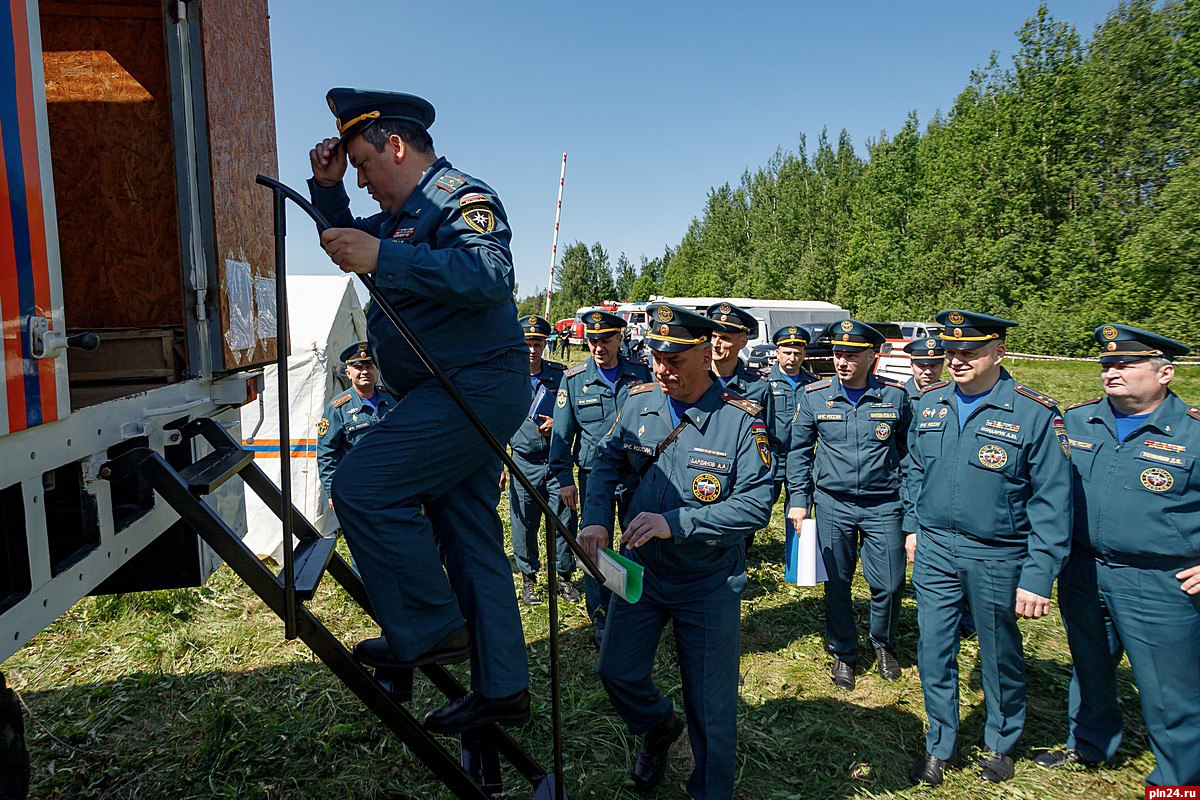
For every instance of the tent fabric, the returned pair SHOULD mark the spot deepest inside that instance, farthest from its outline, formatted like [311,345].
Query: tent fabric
[325,316]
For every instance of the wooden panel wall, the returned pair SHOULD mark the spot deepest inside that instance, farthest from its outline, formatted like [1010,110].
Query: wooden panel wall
[107,92]
[241,134]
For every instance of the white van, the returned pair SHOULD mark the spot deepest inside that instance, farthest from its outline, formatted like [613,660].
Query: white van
[771,314]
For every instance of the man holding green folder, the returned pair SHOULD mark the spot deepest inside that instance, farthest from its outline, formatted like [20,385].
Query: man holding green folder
[696,461]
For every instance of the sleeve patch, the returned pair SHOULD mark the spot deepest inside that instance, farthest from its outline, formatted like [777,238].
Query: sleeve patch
[480,217]
[322,426]
[338,402]
[472,199]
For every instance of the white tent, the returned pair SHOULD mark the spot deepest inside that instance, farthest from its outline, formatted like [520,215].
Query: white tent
[325,316]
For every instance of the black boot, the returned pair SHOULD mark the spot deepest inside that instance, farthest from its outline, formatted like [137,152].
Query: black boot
[567,590]
[473,710]
[842,674]
[996,768]
[887,663]
[929,770]
[651,763]
[529,595]
[375,652]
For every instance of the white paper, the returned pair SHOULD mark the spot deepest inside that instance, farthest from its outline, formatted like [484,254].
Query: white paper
[614,574]
[811,569]
[264,304]
[239,291]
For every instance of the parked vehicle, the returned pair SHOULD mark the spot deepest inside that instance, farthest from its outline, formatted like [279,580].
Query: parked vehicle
[771,314]
[762,356]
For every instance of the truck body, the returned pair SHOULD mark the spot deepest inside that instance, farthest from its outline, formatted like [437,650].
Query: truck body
[131,135]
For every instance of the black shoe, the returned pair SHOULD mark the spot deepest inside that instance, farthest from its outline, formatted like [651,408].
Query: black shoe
[651,763]
[375,652]
[529,595]
[996,768]
[473,710]
[1055,759]
[889,666]
[842,674]
[567,590]
[929,770]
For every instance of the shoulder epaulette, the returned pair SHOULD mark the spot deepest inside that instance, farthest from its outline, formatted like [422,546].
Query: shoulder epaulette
[554,364]
[809,373]
[1193,412]
[889,382]
[1086,402]
[822,384]
[341,400]
[933,386]
[451,181]
[575,370]
[1035,395]
[749,406]
[642,387]
[756,374]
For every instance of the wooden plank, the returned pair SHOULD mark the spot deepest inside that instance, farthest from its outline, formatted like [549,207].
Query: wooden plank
[108,96]
[241,141]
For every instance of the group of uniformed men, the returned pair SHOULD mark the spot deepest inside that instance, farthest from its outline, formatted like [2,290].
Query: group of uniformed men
[980,478]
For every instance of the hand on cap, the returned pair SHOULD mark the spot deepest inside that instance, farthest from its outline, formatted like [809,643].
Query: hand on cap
[328,162]
[351,249]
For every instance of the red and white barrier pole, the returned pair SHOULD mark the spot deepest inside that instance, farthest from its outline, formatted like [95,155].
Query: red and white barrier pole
[562,178]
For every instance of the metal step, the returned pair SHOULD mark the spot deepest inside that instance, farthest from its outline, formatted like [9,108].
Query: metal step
[312,557]
[207,474]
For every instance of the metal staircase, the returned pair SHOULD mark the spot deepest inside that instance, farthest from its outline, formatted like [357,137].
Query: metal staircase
[475,773]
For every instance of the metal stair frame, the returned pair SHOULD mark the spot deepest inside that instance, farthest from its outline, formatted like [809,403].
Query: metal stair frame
[175,490]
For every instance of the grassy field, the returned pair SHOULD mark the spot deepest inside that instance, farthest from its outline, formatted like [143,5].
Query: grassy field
[195,694]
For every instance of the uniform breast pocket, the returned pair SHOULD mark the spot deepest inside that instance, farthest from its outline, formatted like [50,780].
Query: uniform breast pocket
[831,427]
[1163,474]
[929,437]
[1083,455]
[994,456]
[589,410]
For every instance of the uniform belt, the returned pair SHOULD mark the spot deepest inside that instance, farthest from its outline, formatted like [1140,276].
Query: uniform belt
[1140,561]
[861,498]
[533,458]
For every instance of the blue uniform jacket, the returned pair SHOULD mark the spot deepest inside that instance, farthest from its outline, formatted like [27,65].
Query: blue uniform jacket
[444,263]
[784,397]
[345,421]
[862,448]
[999,489]
[527,442]
[1137,500]
[713,482]
[584,411]
[910,386]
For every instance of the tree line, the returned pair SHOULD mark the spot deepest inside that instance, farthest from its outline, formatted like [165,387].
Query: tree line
[1060,190]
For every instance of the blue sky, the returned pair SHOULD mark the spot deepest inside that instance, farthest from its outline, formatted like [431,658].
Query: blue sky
[655,103]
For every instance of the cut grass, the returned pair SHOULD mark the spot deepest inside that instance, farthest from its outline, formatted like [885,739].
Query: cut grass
[195,694]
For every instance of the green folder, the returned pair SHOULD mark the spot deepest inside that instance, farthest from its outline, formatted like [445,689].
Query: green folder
[621,576]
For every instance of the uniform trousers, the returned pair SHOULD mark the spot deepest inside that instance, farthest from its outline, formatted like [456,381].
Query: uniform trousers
[526,517]
[1139,611]
[420,490]
[942,579]
[841,524]
[706,615]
